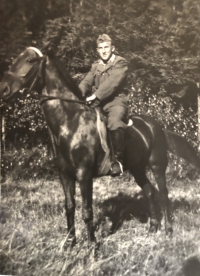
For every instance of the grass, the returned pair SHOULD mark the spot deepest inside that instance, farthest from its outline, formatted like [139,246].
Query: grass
[33,230]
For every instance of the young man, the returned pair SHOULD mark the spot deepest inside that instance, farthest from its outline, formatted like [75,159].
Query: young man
[106,80]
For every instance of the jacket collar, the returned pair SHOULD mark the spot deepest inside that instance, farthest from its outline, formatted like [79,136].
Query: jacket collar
[112,58]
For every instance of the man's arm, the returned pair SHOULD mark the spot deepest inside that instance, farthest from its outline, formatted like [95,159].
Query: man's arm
[109,86]
[87,83]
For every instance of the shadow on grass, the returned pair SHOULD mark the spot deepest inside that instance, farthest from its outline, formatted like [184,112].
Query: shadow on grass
[124,207]
[6,266]
[182,204]
[191,267]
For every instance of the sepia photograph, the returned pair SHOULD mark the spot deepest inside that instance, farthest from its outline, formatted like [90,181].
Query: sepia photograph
[100,138]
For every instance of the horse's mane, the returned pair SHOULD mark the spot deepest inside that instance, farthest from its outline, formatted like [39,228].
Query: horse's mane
[67,78]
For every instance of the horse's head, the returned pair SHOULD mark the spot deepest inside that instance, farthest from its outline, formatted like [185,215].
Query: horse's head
[23,74]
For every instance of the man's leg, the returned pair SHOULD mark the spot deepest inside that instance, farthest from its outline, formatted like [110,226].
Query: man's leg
[117,115]
[118,141]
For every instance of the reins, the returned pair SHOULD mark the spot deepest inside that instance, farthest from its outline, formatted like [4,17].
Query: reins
[47,98]
[43,98]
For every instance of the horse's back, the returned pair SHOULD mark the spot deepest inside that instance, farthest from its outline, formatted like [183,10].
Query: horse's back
[151,128]
[146,142]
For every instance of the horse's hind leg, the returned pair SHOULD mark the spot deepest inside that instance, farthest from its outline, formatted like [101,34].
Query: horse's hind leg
[69,189]
[158,163]
[142,180]
[159,174]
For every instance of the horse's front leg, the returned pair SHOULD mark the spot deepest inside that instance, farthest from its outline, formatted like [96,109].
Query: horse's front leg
[69,189]
[86,186]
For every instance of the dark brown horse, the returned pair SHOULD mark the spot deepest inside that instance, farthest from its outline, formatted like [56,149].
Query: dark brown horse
[76,143]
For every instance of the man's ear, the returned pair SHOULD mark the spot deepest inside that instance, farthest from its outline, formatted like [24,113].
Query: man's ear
[113,49]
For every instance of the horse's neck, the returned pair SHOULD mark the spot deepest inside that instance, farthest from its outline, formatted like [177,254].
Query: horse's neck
[56,85]
[56,111]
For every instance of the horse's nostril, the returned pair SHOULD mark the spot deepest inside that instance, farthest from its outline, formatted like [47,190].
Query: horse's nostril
[6,90]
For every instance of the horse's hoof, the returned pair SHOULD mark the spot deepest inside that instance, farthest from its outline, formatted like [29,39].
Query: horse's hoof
[92,242]
[96,250]
[72,242]
[154,226]
[94,247]
[169,231]
[67,243]
[153,229]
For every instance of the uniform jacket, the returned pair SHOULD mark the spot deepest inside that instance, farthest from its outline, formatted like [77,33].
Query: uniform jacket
[106,80]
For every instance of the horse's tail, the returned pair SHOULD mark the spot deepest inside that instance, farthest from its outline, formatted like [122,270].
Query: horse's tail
[181,147]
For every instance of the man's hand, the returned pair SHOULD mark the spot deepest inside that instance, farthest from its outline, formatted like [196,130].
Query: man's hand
[90,99]
[93,101]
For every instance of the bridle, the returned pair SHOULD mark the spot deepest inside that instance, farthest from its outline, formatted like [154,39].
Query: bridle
[43,98]
[35,72]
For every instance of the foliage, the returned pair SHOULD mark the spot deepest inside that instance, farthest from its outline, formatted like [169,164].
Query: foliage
[159,39]
[28,164]
[25,123]
[167,112]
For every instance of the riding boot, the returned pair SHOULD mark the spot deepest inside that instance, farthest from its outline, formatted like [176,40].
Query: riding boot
[118,141]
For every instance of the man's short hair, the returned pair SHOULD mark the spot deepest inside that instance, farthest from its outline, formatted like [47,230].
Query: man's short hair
[103,38]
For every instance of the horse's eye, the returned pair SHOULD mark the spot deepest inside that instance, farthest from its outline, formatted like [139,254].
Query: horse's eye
[30,60]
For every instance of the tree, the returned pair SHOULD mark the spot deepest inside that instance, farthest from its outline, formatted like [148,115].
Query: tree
[159,39]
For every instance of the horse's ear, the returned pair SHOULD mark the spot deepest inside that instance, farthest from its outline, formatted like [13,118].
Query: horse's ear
[45,46]
[48,50]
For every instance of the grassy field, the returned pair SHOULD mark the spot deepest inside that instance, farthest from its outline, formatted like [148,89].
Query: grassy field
[33,230]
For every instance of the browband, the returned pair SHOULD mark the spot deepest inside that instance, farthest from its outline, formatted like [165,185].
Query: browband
[36,50]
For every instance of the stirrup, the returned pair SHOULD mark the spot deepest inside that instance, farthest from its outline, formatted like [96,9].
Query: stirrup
[117,171]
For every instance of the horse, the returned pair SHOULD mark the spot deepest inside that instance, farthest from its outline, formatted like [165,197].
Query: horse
[76,142]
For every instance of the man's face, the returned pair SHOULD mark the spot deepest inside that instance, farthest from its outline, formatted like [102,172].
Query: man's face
[105,50]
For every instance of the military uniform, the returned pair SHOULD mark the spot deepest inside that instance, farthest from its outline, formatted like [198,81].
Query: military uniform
[107,82]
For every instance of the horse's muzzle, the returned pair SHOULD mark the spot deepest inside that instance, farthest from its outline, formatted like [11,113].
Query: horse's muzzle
[5,91]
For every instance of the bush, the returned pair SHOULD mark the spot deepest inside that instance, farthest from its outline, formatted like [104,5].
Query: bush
[28,164]
[167,112]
